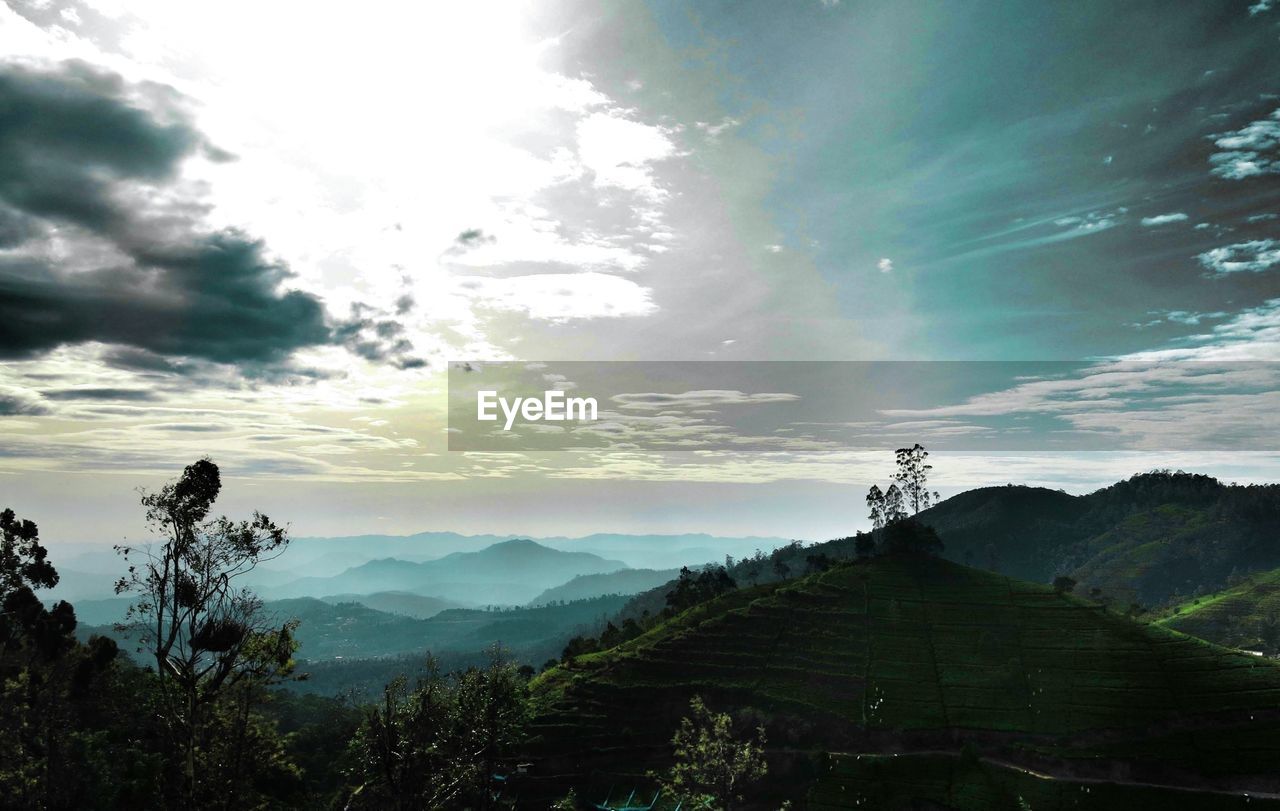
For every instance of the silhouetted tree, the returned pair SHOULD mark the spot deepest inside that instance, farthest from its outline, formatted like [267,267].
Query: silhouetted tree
[692,589]
[913,476]
[911,538]
[893,505]
[208,638]
[875,503]
[1062,584]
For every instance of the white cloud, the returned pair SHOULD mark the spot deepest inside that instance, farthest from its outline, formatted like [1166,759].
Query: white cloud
[714,131]
[619,152]
[1253,256]
[1164,219]
[885,265]
[560,296]
[1260,7]
[1250,151]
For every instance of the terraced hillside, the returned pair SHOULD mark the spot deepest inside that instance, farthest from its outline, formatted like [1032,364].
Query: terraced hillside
[1245,615]
[920,656]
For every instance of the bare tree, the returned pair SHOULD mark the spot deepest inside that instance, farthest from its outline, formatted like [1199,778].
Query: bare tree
[206,634]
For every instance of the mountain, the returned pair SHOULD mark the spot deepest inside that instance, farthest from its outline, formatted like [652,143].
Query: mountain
[349,630]
[325,557]
[920,658]
[626,582]
[1244,615]
[511,572]
[404,603]
[1145,539]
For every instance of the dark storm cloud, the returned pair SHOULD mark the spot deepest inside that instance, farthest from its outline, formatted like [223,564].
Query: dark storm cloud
[97,159]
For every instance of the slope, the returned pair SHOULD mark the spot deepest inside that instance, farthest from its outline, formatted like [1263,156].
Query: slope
[1244,615]
[627,581]
[1144,539]
[921,655]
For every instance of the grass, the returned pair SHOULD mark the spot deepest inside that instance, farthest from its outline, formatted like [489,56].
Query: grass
[1245,606]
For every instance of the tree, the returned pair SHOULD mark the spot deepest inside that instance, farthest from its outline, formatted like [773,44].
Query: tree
[913,476]
[439,745]
[864,545]
[910,538]
[893,506]
[1062,584]
[712,766]
[74,726]
[691,589]
[875,503]
[208,638]
[818,562]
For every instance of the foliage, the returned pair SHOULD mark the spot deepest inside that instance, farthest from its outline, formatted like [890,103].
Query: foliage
[909,537]
[692,589]
[713,767]
[215,651]
[439,744]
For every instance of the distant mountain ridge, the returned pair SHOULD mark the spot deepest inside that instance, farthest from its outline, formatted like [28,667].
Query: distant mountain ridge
[351,630]
[506,573]
[625,582]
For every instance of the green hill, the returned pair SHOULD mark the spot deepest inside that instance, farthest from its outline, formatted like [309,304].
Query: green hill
[921,656]
[1144,539]
[626,581]
[1244,615]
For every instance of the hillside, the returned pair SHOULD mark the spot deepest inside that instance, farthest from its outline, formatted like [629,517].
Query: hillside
[507,573]
[921,656]
[1244,615]
[405,603]
[627,582]
[1145,539]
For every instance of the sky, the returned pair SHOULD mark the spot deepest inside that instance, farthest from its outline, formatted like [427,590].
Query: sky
[262,232]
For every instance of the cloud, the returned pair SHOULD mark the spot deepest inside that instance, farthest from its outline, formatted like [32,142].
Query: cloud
[104,243]
[654,401]
[19,402]
[885,265]
[1253,256]
[1261,7]
[131,395]
[1250,151]
[561,296]
[620,151]
[1164,219]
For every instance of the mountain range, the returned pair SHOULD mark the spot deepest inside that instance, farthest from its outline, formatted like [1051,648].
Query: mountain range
[506,573]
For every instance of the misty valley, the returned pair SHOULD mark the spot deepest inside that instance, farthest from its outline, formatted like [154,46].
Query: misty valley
[1006,645]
